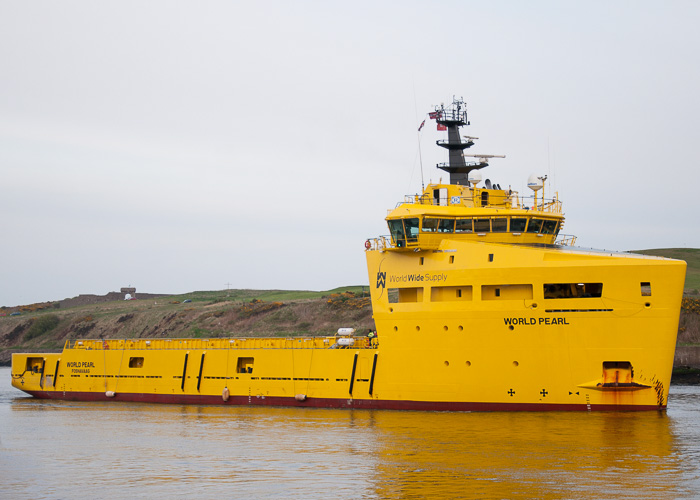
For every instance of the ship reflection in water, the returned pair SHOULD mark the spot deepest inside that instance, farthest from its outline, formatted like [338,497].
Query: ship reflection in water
[57,449]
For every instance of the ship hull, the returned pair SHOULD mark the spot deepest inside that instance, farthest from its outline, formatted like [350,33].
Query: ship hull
[456,333]
[366,404]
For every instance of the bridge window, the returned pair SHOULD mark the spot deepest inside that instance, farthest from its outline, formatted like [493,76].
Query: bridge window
[482,225]
[446,226]
[499,225]
[430,225]
[411,226]
[463,226]
[403,231]
[397,233]
[572,290]
[549,226]
[517,224]
[535,226]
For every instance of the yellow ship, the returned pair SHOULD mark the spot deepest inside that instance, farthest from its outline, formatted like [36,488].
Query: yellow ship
[480,303]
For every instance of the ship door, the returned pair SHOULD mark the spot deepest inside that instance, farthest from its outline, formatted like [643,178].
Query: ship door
[440,197]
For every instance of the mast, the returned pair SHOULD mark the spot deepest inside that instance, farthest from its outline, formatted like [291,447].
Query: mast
[452,118]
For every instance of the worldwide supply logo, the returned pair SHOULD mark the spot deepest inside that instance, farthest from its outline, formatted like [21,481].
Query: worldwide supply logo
[381,279]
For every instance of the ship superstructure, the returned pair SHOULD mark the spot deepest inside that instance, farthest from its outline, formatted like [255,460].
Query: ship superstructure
[480,303]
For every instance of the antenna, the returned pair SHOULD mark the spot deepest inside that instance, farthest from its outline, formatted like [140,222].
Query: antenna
[420,159]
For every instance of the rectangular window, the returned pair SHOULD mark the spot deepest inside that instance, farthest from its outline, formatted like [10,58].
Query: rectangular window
[34,364]
[517,225]
[499,225]
[245,365]
[535,226]
[482,225]
[446,226]
[463,226]
[506,292]
[411,227]
[430,225]
[646,288]
[136,362]
[397,233]
[549,226]
[572,290]
[401,295]
[450,293]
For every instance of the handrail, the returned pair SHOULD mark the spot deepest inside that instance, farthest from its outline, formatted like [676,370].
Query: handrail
[566,240]
[218,343]
[548,205]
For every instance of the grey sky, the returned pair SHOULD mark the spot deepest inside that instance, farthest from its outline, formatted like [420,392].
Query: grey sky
[179,146]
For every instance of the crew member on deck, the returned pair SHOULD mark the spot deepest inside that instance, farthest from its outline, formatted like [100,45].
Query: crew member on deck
[371,336]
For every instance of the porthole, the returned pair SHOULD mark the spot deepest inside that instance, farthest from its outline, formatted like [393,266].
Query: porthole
[460,328]
[516,364]
[447,363]
[468,363]
[417,328]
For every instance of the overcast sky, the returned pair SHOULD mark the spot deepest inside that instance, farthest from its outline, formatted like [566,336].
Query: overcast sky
[180,146]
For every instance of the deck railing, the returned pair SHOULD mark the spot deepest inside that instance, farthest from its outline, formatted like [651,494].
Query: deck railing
[334,342]
[547,205]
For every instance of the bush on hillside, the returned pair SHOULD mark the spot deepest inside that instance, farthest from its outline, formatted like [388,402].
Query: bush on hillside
[41,325]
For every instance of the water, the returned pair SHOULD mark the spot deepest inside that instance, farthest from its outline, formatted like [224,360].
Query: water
[71,450]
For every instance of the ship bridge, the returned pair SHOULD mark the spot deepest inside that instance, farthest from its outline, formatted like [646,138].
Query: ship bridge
[447,211]
[461,210]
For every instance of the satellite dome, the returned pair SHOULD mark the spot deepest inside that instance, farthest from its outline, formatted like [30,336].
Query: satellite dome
[474,177]
[535,183]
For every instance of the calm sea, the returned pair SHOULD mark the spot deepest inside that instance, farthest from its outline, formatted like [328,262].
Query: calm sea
[53,449]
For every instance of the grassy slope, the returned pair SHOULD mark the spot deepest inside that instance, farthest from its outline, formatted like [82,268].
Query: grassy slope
[206,314]
[690,255]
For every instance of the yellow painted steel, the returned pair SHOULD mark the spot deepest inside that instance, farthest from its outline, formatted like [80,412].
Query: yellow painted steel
[472,312]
